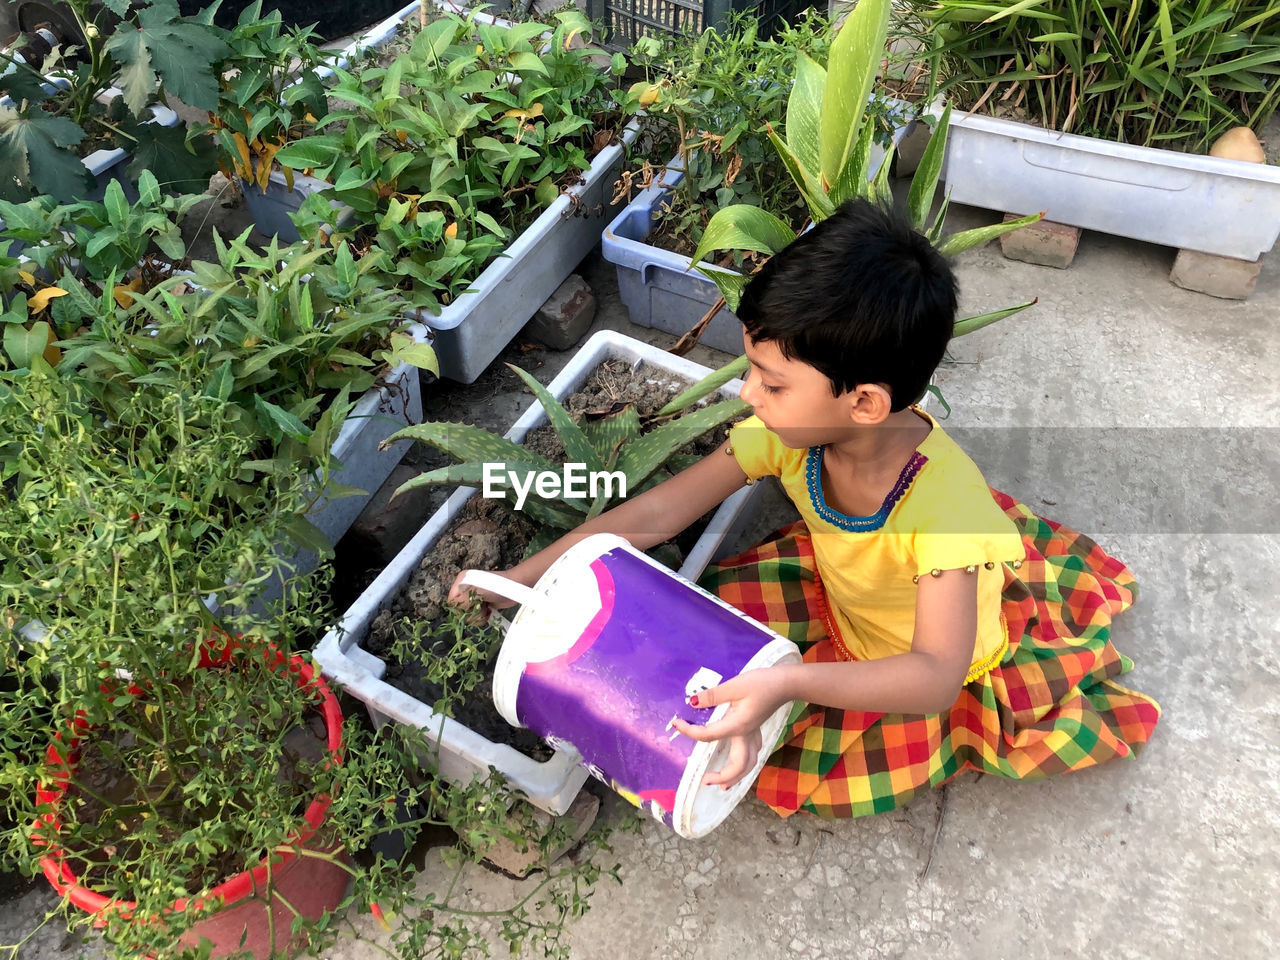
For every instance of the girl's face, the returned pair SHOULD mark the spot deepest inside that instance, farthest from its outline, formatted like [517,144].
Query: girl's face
[793,399]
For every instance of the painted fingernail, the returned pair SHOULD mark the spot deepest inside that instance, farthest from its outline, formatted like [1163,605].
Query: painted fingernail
[693,700]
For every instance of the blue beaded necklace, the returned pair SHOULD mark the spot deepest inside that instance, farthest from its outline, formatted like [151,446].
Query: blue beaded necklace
[874,521]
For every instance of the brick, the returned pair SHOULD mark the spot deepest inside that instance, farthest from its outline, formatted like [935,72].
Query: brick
[1046,243]
[1224,277]
[565,317]
[504,854]
[386,525]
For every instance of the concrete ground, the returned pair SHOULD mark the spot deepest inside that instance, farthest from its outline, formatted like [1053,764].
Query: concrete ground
[1135,411]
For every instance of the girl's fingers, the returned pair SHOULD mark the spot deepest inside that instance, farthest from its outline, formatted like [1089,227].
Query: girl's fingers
[725,727]
[742,759]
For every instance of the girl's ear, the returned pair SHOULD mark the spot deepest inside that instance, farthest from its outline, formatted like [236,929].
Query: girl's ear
[869,403]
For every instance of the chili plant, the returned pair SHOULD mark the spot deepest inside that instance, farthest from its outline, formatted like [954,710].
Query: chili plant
[454,147]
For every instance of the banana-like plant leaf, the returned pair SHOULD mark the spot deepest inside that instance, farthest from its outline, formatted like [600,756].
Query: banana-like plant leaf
[467,443]
[804,114]
[809,185]
[924,182]
[577,447]
[967,239]
[852,180]
[970,324]
[851,69]
[706,386]
[744,227]
[731,285]
[561,513]
[642,457]
[880,190]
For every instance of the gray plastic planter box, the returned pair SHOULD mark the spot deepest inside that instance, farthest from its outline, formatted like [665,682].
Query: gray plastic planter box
[471,331]
[1225,207]
[662,289]
[464,754]
[272,209]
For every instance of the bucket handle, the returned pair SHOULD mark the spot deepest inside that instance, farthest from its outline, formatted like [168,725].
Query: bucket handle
[502,586]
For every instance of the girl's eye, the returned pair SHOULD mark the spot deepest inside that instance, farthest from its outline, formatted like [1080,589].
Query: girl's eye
[768,389]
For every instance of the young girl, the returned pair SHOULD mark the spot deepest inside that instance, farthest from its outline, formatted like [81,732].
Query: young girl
[945,627]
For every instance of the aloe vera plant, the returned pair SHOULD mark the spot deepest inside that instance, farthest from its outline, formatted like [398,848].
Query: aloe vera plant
[827,151]
[616,443]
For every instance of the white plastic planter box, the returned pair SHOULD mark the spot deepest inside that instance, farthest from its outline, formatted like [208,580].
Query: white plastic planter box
[662,289]
[464,754]
[1225,207]
[471,331]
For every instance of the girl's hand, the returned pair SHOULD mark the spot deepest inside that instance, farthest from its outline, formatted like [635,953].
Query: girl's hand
[753,697]
[460,595]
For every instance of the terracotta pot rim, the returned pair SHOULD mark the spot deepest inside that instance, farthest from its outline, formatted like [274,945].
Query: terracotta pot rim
[235,888]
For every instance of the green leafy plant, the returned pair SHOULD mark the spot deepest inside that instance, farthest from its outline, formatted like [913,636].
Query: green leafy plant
[78,257]
[448,152]
[112,539]
[94,92]
[827,149]
[643,453]
[273,97]
[1150,72]
[289,337]
[706,100]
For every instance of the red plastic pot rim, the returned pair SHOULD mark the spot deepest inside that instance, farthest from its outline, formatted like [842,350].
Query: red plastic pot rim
[239,887]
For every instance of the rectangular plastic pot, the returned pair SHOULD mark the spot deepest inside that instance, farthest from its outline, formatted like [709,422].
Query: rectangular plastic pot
[1230,208]
[462,753]
[661,289]
[272,209]
[472,331]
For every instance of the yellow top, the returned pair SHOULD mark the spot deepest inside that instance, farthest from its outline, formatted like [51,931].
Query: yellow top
[940,516]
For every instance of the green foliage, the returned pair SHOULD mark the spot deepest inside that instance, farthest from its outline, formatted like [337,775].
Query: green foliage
[95,92]
[707,100]
[79,258]
[451,149]
[113,537]
[286,339]
[826,147]
[616,442]
[273,97]
[1151,72]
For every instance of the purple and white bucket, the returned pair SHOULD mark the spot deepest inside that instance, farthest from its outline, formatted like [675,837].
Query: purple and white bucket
[603,655]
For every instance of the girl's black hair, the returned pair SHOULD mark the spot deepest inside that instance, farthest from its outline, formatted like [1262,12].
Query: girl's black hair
[862,297]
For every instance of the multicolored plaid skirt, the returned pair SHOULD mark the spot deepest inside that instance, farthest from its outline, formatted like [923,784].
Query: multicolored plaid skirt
[1050,705]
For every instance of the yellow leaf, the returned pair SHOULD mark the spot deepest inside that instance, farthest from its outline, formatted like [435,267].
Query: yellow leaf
[249,342]
[534,111]
[451,231]
[242,148]
[28,278]
[41,299]
[121,293]
[401,136]
[568,41]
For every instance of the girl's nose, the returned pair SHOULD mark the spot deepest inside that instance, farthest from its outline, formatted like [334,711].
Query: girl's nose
[748,392]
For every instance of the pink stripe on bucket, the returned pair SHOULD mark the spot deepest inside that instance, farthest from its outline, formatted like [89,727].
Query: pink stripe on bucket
[604,585]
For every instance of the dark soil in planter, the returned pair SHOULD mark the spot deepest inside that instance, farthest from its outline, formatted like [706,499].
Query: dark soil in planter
[410,634]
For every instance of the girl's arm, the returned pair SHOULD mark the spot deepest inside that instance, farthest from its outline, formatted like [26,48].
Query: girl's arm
[927,679]
[651,518]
